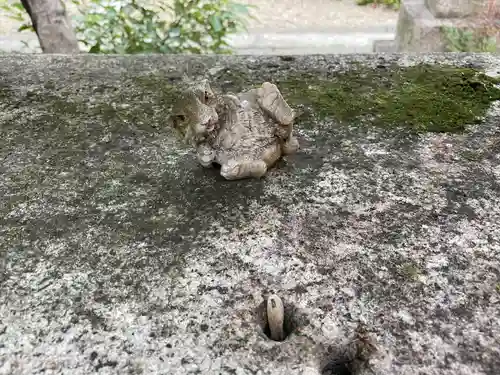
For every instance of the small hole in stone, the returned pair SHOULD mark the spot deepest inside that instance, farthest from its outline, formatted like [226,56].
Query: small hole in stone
[338,366]
[352,357]
[293,319]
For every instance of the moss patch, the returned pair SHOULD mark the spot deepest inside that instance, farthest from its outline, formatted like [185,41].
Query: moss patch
[422,98]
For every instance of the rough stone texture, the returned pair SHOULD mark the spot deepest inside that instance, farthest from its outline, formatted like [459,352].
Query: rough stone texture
[455,8]
[420,22]
[120,255]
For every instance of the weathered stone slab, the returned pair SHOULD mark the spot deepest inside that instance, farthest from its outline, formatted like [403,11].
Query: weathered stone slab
[120,255]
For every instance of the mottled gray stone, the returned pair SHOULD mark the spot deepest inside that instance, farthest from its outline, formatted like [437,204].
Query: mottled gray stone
[120,255]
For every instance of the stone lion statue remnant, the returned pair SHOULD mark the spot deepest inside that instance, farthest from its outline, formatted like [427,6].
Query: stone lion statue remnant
[245,134]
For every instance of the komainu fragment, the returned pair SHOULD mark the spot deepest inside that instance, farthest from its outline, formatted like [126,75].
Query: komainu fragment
[245,134]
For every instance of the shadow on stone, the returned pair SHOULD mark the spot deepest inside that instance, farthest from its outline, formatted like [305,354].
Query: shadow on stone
[355,356]
[341,365]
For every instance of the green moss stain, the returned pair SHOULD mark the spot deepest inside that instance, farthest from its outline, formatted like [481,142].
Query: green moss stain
[423,98]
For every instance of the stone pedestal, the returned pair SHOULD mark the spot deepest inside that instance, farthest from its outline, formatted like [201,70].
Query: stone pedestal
[420,23]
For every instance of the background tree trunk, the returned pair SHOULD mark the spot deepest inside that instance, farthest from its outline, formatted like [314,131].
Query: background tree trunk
[52,25]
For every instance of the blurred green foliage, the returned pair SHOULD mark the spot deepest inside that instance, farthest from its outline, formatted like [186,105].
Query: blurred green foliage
[465,40]
[147,26]
[15,11]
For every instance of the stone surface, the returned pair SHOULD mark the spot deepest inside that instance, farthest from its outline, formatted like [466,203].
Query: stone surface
[120,255]
[455,8]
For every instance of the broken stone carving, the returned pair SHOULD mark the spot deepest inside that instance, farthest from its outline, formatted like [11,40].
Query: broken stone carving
[245,134]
